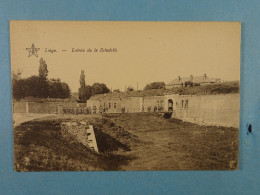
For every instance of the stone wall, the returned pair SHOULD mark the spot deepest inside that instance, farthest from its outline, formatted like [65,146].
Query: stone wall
[151,103]
[40,108]
[19,107]
[82,131]
[129,104]
[221,109]
[115,105]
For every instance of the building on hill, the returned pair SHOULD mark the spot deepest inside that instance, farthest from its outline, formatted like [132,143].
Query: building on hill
[191,80]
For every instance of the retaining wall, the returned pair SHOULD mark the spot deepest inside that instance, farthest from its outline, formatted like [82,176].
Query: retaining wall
[222,109]
[40,108]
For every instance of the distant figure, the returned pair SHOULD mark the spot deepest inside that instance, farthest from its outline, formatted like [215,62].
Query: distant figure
[94,110]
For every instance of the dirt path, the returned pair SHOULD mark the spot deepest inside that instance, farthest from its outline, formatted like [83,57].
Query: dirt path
[19,118]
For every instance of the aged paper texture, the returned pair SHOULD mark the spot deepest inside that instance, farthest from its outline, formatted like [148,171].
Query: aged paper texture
[93,96]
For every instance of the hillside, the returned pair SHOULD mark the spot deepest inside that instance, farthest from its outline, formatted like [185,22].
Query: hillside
[45,145]
[218,88]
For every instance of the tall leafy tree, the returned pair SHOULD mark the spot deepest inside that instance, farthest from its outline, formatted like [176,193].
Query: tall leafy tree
[66,92]
[43,71]
[88,91]
[43,83]
[99,88]
[82,89]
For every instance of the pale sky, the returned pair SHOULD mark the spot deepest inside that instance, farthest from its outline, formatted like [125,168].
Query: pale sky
[146,51]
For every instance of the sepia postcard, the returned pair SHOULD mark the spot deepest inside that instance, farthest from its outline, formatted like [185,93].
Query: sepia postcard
[124,96]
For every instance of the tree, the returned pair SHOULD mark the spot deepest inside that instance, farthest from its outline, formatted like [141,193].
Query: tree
[116,91]
[16,78]
[33,87]
[43,83]
[39,86]
[88,91]
[16,75]
[129,88]
[99,88]
[66,92]
[188,83]
[17,85]
[26,87]
[58,89]
[82,91]
[43,71]
[155,85]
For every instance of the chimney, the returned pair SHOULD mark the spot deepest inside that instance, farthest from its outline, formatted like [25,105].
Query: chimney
[179,78]
[205,76]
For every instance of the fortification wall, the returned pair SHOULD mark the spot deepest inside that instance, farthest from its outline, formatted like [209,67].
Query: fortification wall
[40,108]
[19,107]
[115,105]
[132,104]
[151,102]
[221,109]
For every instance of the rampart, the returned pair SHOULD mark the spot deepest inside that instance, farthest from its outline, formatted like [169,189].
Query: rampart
[221,109]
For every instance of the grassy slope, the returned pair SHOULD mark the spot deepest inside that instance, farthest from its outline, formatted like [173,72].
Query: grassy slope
[128,142]
[218,88]
[42,145]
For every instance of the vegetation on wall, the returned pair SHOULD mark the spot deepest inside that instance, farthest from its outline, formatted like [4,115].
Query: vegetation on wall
[129,88]
[155,85]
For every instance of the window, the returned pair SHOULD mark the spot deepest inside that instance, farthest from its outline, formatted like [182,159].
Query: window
[109,105]
[114,105]
[161,103]
[182,103]
[186,103]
